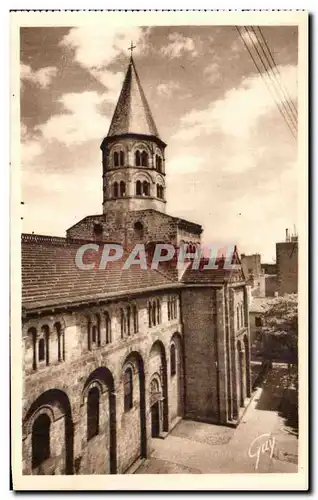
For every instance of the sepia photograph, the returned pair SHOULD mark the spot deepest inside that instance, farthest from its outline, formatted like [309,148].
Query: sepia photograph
[158,298]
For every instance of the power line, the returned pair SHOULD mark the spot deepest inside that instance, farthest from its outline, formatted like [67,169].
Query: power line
[280,103]
[277,77]
[275,67]
[268,87]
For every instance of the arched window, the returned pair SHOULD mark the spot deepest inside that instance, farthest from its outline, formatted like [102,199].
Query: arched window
[44,348]
[94,334]
[144,159]
[98,329]
[238,317]
[159,191]
[122,158]
[122,188]
[32,334]
[116,159]
[41,440]
[135,316]
[41,350]
[60,342]
[154,313]
[128,320]
[158,311]
[98,231]
[122,323]
[160,164]
[115,190]
[89,340]
[139,229]
[149,315]
[242,315]
[169,308]
[173,364]
[108,328]
[138,188]
[175,303]
[92,413]
[128,389]
[146,188]
[137,158]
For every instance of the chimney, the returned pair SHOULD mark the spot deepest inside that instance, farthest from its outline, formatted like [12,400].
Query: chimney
[287,237]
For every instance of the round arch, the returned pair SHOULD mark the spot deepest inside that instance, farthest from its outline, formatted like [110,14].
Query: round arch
[158,348]
[103,380]
[135,358]
[55,403]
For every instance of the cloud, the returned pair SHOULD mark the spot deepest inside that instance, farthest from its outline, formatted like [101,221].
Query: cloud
[238,112]
[178,45]
[42,77]
[167,89]
[212,72]
[184,163]
[81,122]
[96,50]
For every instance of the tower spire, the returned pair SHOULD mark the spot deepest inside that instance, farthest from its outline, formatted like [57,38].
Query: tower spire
[131,48]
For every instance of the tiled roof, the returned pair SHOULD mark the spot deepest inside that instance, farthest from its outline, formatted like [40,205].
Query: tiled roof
[51,277]
[132,114]
[212,276]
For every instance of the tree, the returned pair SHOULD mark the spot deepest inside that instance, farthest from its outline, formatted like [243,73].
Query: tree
[280,330]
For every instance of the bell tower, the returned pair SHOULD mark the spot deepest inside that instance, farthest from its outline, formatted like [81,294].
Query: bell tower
[133,153]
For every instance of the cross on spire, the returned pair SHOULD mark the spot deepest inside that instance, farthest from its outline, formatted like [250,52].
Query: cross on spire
[131,48]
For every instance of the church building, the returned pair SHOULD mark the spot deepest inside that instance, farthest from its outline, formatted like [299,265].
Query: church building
[113,358]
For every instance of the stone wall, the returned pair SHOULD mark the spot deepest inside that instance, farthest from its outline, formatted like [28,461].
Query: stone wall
[64,385]
[287,267]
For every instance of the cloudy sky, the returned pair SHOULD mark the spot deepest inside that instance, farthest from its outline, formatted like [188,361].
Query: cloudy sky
[231,159]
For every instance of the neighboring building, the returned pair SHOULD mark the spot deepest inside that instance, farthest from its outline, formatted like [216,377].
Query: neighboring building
[254,275]
[287,264]
[269,268]
[115,357]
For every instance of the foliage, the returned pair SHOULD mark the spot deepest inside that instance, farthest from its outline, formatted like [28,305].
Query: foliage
[280,330]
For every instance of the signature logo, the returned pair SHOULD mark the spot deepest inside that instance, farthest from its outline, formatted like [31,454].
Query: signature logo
[260,445]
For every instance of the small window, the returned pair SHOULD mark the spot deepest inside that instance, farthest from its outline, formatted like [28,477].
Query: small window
[258,321]
[115,190]
[60,341]
[41,350]
[146,188]
[128,389]
[116,159]
[92,413]
[122,158]
[154,313]
[32,334]
[128,320]
[122,323]
[173,360]
[135,315]
[144,159]
[108,329]
[158,311]
[149,315]
[98,230]
[41,440]
[94,334]
[138,188]
[139,229]
[122,188]
[238,318]
[137,158]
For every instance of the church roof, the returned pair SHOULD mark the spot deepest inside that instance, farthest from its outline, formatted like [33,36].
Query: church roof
[132,113]
[50,276]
